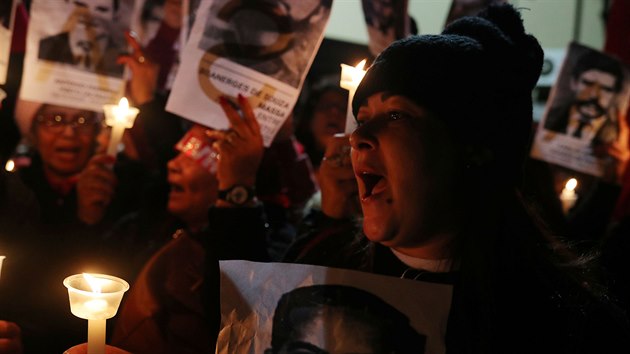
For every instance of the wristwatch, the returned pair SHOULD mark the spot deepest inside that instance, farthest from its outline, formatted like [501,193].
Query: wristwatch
[238,194]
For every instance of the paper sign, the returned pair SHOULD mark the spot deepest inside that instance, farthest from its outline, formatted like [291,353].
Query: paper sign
[259,49]
[582,117]
[280,305]
[71,52]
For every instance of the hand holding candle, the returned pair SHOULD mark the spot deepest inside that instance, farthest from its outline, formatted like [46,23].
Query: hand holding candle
[119,117]
[95,298]
[350,79]
[568,197]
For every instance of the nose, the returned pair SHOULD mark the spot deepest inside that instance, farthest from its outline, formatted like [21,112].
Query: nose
[173,165]
[595,91]
[363,139]
[69,130]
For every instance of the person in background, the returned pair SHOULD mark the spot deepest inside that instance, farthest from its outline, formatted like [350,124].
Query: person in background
[78,196]
[321,115]
[165,311]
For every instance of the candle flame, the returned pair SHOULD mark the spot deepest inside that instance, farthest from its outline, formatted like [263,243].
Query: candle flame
[571,184]
[10,165]
[361,64]
[123,103]
[93,282]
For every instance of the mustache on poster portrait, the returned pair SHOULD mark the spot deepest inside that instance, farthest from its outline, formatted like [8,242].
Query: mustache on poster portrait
[591,102]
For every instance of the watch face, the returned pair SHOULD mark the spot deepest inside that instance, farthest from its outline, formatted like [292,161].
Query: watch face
[238,195]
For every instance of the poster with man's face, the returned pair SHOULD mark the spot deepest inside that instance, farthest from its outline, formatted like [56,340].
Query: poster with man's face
[7,14]
[72,51]
[294,308]
[386,21]
[585,113]
[261,49]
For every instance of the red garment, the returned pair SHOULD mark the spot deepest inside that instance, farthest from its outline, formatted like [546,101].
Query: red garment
[618,44]
[163,312]
[18,43]
[161,50]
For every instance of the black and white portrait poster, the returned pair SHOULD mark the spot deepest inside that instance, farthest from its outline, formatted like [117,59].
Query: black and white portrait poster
[292,308]
[7,15]
[584,114]
[71,52]
[386,21]
[261,49]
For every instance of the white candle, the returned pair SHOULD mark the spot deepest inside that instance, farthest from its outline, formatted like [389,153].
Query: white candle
[95,297]
[1,260]
[351,76]
[568,197]
[96,336]
[119,117]
[2,96]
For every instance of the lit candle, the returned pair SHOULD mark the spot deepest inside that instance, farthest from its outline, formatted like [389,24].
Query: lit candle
[2,96]
[118,117]
[10,165]
[568,195]
[1,260]
[95,297]
[351,76]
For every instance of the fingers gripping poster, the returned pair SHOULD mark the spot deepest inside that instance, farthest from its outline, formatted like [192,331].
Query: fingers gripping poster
[72,50]
[261,49]
[291,308]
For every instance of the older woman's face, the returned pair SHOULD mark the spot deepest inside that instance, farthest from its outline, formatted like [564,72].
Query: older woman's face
[65,138]
[193,189]
[405,164]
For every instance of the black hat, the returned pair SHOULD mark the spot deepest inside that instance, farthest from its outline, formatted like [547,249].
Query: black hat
[477,76]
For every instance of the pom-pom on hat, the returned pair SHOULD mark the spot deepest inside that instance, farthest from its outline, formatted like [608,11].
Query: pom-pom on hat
[477,76]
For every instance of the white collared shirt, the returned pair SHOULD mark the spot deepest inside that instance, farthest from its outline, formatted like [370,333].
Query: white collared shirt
[589,130]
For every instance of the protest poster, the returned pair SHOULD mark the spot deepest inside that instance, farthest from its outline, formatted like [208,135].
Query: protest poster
[259,49]
[71,52]
[386,21]
[7,15]
[279,305]
[583,114]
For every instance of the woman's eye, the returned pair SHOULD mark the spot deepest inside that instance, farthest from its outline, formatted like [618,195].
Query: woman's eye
[397,115]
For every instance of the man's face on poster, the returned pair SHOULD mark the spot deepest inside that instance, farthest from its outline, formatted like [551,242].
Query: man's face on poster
[594,93]
[329,331]
[95,15]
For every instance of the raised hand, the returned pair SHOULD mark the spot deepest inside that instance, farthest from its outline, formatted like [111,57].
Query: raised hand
[239,148]
[95,188]
[144,72]
[340,198]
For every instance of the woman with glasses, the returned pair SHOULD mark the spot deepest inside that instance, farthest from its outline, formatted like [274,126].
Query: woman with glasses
[80,193]
[64,140]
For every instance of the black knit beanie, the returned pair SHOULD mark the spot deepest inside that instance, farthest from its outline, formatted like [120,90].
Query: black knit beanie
[477,76]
